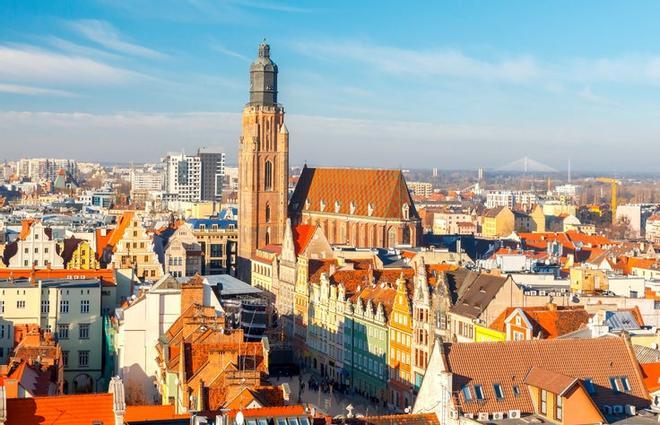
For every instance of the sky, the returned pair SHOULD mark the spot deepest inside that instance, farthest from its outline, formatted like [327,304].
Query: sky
[416,84]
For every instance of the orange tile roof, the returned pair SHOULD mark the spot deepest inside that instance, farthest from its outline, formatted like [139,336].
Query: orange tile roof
[118,232]
[552,323]
[102,240]
[651,376]
[385,190]
[107,276]
[26,225]
[554,382]
[302,234]
[151,413]
[508,363]
[79,409]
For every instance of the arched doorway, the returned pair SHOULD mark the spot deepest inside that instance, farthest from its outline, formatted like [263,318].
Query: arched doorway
[83,383]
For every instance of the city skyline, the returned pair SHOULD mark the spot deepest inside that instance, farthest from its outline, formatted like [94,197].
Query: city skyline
[415,83]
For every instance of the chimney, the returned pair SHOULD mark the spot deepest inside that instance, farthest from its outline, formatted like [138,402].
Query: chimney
[192,292]
[551,306]
[118,399]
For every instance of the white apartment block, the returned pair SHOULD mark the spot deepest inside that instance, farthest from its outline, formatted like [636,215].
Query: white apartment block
[508,198]
[422,189]
[37,169]
[183,177]
[653,229]
[146,181]
[446,223]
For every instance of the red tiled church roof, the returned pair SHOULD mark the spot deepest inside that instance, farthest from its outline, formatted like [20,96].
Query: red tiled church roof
[385,190]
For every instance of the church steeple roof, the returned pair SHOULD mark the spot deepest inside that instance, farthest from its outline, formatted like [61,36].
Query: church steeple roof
[263,78]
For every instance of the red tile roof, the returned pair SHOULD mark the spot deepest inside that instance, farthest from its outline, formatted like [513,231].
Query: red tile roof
[411,419]
[80,409]
[552,323]
[151,413]
[651,376]
[107,276]
[554,382]
[508,363]
[302,234]
[385,190]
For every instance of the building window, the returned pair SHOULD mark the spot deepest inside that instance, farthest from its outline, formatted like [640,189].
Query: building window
[625,384]
[45,306]
[2,306]
[84,306]
[516,390]
[614,383]
[467,394]
[20,304]
[267,213]
[589,385]
[65,358]
[83,358]
[63,331]
[544,402]
[499,393]
[268,176]
[559,408]
[2,331]
[64,306]
[479,392]
[83,331]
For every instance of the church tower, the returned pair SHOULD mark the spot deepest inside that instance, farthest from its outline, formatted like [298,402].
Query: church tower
[263,164]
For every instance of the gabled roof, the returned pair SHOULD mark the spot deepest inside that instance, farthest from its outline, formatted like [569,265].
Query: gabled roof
[471,291]
[302,234]
[554,382]
[651,373]
[270,412]
[79,409]
[508,363]
[552,323]
[384,190]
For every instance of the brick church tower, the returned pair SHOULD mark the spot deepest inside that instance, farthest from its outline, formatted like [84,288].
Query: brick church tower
[263,164]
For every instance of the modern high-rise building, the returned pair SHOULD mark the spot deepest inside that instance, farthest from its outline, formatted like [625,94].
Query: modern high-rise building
[263,163]
[213,173]
[37,169]
[183,175]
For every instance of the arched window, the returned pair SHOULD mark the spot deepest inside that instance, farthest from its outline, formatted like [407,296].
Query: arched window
[267,213]
[268,237]
[268,176]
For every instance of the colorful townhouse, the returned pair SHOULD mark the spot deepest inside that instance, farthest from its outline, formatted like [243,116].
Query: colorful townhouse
[78,254]
[129,246]
[400,327]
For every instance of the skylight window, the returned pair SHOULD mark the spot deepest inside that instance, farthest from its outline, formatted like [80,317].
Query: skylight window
[625,384]
[614,383]
[499,393]
[516,390]
[467,394]
[479,392]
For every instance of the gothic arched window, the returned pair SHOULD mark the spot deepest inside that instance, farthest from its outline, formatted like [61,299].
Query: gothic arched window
[267,213]
[268,176]
[268,236]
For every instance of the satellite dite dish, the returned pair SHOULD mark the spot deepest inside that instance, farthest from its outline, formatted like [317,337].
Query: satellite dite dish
[240,419]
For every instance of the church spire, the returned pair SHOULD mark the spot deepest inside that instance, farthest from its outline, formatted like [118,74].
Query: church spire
[263,78]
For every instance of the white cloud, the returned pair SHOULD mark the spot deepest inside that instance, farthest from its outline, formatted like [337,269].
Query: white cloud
[32,91]
[627,69]
[30,64]
[426,63]
[106,35]
[587,94]
[225,51]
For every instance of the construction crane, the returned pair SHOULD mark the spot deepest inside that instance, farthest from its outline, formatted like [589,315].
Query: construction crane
[612,182]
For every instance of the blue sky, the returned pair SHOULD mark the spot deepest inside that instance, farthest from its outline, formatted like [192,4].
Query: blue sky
[452,84]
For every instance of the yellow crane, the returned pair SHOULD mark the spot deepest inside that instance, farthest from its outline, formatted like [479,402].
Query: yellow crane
[613,201]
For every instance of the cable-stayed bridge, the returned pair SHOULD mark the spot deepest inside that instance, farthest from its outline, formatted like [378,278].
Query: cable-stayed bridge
[527,165]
